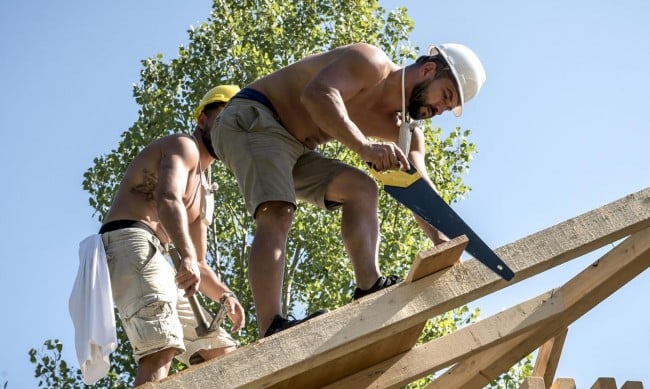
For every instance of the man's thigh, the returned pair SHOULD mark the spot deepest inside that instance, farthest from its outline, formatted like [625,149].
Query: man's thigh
[258,150]
[144,291]
[313,175]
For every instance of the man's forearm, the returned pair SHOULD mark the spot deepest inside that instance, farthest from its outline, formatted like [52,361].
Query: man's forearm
[210,285]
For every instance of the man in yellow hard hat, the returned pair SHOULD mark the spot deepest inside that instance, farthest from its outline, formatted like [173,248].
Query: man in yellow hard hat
[268,133]
[165,197]
[218,94]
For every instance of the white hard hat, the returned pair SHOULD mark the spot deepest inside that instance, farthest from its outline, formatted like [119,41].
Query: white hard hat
[466,68]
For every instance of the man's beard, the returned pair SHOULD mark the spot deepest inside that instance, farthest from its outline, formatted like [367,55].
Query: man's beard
[207,141]
[416,100]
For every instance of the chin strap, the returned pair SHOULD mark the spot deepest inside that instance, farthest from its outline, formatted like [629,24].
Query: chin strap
[405,129]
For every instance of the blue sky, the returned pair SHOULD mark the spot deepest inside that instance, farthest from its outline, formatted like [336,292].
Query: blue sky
[561,126]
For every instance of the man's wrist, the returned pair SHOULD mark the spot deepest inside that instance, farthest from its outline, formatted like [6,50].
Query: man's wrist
[225,296]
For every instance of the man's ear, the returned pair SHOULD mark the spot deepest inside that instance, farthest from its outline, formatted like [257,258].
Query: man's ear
[428,68]
[200,122]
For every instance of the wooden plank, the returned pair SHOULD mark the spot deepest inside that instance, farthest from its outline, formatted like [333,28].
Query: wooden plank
[431,261]
[604,383]
[570,301]
[533,382]
[564,383]
[304,348]
[580,294]
[447,350]
[548,357]
[352,362]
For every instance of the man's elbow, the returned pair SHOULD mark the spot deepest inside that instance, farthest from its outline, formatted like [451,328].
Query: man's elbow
[316,94]
[309,96]
[168,201]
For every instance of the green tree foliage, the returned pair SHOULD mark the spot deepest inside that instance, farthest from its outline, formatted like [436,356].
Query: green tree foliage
[241,41]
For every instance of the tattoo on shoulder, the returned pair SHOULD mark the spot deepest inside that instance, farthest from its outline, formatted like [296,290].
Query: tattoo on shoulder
[147,188]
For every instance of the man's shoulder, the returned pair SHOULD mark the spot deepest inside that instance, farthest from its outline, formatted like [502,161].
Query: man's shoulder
[177,140]
[362,46]
[182,144]
[371,61]
[365,50]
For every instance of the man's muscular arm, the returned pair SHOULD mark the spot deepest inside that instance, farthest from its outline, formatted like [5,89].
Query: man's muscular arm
[416,155]
[210,284]
[361,66]
[179,156]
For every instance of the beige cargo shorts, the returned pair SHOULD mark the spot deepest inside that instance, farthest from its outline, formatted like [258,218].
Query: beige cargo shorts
[268,162]
[154,312]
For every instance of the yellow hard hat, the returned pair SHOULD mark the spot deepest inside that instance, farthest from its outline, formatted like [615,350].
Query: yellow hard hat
[221,93]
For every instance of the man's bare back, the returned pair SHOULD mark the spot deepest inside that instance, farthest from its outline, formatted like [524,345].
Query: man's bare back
[366,101]
[136,198]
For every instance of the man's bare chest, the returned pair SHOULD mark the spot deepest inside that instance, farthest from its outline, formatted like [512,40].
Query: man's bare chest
[374,124]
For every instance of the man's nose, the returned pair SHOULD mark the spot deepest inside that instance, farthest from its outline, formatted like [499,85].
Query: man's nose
[440,109]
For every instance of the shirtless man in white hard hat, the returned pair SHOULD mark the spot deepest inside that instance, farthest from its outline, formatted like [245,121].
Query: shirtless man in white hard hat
[268,132]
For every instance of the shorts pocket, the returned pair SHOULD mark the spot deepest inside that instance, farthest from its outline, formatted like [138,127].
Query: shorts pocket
[152,326]
[247,118]
[147,259]
[135,252]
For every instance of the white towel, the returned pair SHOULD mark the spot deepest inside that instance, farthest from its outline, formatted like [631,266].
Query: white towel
[91,310]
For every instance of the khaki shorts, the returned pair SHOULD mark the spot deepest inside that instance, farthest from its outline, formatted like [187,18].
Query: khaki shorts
[269,163]
[154,313]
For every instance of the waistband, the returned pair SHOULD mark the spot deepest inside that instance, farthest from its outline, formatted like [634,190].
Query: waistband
[124,223]
[252,94]
[112,231]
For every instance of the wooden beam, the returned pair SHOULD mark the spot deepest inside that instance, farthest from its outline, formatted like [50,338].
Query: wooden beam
[351,328]
[564,383]
[578,236]
[580,294]
[568,303]
[533,382]
[447,350]
[604,383]
[429,262]
[548,358]
[433,260]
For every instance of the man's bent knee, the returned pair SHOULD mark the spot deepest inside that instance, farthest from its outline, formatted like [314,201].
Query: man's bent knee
[278,212]
[353,185]
[367,188]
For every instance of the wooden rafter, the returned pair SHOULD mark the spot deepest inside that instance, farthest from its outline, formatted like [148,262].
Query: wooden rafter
[548,357]
[578,295]
[369,325]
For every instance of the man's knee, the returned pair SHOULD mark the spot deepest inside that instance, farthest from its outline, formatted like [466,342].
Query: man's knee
[355,185]
[154,367]
[367,188]
[277,213]
[159,358]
